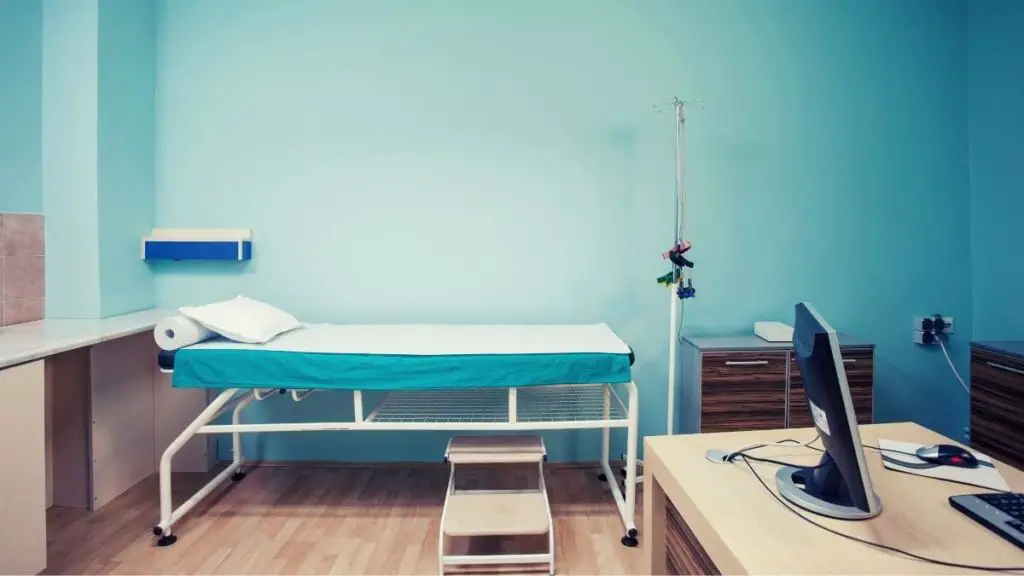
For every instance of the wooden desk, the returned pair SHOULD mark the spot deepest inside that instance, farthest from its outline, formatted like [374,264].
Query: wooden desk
[85,416]
[702,517]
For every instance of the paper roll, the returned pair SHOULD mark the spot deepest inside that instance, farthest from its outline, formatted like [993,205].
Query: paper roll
[179,331]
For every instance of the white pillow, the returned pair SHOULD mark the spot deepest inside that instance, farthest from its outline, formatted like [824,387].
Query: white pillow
[243,319]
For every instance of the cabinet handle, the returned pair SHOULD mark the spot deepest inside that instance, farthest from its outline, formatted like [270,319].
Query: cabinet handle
[746,363]
[849,360]
[1006,368]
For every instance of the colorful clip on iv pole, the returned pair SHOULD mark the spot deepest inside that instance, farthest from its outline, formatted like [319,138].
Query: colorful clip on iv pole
[675,255]
[687,291]
[675,277]
[679,248]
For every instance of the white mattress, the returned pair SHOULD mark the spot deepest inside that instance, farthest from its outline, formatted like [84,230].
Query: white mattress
[410,357]
[440,340]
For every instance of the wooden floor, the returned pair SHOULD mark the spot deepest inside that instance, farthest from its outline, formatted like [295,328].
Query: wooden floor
[324,520]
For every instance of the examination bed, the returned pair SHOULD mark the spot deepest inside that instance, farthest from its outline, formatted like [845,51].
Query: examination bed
[434,377]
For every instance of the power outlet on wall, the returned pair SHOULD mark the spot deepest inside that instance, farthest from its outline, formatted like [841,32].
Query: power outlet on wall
[928,328]
[936,323]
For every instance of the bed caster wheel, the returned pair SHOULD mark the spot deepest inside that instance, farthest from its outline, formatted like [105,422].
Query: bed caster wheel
[602,477]
[630,541]
[237,476]
[166,540]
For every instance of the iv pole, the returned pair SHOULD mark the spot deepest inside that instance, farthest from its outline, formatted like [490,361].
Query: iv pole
[682,233]
[681,243]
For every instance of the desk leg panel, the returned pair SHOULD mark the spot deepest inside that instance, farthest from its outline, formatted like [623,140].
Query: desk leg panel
[684,553]
[122,415]
[654,524]
[67,377]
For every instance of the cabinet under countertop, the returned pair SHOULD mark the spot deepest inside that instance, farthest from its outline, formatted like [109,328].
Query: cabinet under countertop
[997,400]
[741,382]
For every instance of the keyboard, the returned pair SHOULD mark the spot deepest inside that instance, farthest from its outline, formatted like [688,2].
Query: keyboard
[1000,512]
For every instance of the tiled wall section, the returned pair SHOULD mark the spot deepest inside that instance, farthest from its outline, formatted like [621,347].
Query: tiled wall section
[22,275]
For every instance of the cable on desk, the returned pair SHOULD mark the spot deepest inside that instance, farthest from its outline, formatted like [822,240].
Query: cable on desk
[876,544]
[743,452]
[949,480]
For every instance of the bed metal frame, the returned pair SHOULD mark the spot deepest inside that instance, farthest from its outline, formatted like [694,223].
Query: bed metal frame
[558,407]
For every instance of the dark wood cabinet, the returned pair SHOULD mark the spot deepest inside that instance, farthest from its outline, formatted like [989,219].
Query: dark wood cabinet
[997,401]
[743,383]
[860,368]
[743,390]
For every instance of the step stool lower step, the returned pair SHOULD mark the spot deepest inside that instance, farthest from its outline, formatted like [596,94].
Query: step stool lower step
[506,514]
[505,565]
[495,449]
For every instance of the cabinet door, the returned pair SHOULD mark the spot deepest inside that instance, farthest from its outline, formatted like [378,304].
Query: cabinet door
[742,391]
[859,366]
[997,405]
[23,473]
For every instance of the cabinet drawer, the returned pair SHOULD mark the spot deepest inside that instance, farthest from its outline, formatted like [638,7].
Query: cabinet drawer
[997,405]
[743,391]
[1000,374]
[858,363]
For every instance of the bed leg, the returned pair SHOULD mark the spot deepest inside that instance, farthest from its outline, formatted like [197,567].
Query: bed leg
[168,516]
[605,432]
[236,439]
[630,539]
[625,495]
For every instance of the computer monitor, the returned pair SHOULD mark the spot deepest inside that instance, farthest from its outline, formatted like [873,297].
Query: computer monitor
[840,486]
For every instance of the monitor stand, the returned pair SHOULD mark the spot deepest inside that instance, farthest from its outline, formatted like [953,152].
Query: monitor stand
[821,490]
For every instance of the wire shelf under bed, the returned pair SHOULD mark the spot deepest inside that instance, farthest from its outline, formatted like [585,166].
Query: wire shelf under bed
[562,403]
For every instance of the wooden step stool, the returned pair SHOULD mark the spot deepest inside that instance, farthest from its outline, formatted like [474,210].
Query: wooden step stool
[470,513]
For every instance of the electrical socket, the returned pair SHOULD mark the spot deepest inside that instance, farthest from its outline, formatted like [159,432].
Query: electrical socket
[926,324]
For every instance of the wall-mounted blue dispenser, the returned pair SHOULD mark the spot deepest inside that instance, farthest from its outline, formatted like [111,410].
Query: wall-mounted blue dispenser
[233,244]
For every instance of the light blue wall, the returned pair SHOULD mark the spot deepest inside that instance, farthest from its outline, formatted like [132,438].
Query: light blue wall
[127,108]
[997,170]
[454,162]
[21,147]
[98,152]
[70,180]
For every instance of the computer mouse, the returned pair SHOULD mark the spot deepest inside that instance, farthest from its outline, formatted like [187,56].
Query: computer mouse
[947,455]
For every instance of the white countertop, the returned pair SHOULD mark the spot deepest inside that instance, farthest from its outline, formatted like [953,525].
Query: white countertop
[33,340]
